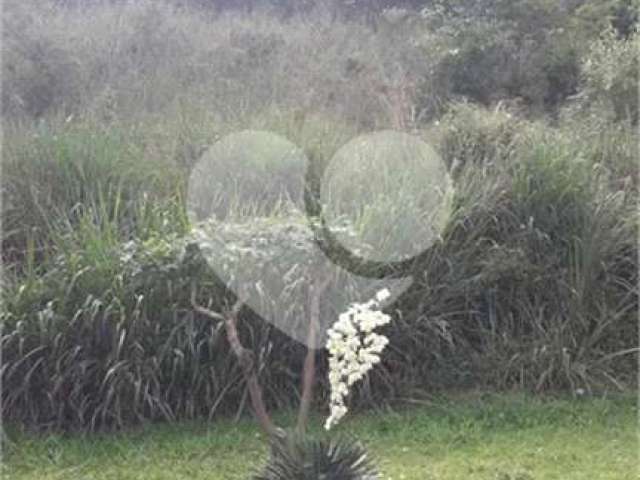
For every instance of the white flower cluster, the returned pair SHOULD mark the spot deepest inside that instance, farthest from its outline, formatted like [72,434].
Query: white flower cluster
[354,348]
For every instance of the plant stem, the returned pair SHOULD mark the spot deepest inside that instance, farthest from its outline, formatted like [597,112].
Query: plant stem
[309,368]
[246,362]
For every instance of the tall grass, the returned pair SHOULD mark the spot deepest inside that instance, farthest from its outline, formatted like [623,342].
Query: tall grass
[533,284]
[113,62]
[54,177]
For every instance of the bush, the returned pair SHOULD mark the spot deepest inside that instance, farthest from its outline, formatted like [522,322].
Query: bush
[610,76]
[530,49]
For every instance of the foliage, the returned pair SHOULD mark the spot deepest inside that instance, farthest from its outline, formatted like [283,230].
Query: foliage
[314,459]
[367,66]
[528,49]
[149,57]
[610,73]
[533,286]
[55,177]
[468,135]
[105,332]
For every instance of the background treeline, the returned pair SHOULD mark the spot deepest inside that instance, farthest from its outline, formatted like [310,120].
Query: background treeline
[107,105]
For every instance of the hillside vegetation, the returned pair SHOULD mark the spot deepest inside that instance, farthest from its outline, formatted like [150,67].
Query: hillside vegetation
[532,104]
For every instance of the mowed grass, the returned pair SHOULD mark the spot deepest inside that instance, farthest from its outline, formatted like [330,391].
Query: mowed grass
[509,437]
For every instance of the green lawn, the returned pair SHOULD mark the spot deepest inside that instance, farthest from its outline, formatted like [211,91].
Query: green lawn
[472,437]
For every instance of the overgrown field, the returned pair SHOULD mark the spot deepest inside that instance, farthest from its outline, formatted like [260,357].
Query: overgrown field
[106,108]
[484,438]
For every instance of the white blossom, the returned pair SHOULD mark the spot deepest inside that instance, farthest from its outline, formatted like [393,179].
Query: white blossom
[382,295]
[354,349]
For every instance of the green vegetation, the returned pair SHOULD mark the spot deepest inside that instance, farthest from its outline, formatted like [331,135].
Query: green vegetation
[106,109]
[482,437]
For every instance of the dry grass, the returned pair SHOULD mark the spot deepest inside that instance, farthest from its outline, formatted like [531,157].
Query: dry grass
[114,62]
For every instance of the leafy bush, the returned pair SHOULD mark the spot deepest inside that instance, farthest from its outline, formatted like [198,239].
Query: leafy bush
[610,73]
[529,49]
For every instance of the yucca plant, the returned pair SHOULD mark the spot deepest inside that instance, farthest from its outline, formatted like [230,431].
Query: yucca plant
[296,457]
[279,252]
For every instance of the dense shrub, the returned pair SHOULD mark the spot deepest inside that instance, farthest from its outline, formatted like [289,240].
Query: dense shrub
[610,76]
[530,49]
